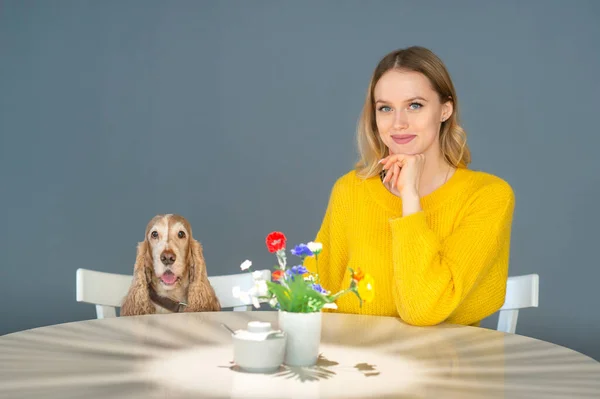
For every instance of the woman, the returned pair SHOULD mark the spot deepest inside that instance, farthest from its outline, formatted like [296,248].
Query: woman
[434,235]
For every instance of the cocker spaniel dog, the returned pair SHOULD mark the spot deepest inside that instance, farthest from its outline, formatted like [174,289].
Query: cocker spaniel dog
[169,275]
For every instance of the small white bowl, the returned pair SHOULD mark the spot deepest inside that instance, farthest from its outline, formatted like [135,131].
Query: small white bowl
[259,349]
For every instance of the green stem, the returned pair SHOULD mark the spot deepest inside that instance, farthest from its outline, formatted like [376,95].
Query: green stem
[339,294]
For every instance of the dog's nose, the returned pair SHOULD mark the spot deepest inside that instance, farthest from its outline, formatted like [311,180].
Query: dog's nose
[167,257]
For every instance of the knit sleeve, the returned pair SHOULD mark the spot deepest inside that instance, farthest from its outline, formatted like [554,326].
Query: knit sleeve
[432,277]
[331,263]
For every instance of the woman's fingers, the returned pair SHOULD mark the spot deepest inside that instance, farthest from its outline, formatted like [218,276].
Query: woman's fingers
[396,176]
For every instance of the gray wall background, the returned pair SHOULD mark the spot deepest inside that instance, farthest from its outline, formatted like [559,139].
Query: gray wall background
[241,115]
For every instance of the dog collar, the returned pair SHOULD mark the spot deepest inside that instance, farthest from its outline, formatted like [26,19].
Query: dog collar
[167,303]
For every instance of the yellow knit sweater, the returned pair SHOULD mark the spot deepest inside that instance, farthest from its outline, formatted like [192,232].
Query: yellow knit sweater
[447,263]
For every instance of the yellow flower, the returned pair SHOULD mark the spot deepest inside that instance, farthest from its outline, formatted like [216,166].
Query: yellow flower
[366,288]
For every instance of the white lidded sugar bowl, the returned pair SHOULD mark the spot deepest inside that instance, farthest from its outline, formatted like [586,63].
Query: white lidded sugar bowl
[258,349]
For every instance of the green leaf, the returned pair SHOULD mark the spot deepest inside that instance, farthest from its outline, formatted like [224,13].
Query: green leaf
[297,287]
[282,293]
[315,300]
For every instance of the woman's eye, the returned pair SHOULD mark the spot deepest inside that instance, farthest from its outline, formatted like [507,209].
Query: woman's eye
[181,234]
[154,234]
[384,108]
[414,106]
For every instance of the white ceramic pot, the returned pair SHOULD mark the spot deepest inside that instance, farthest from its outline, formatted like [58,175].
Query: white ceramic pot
[303,337]
[258,349]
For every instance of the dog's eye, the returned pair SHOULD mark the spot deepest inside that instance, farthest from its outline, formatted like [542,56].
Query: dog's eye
[154,234]
[181,234]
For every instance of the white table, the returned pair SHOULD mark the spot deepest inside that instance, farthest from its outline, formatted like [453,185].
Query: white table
[189,356]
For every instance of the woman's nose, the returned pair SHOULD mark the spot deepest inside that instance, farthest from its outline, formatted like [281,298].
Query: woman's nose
[400,119]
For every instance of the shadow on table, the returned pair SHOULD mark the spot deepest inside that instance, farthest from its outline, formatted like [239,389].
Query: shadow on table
[320,371]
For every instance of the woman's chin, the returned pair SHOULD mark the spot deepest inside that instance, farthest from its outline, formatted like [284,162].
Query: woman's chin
[403,151]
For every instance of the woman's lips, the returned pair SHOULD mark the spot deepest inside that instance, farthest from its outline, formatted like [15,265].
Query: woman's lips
[403,138]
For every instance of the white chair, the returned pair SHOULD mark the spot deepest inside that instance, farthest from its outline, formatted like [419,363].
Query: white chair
[521,292]
[108,290]
[105,290]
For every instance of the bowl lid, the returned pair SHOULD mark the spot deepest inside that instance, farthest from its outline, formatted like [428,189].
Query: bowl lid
[258,331]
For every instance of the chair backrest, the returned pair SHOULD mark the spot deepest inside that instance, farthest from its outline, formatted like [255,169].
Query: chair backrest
[108,290]
[223,286]
[521,292]
[105,290]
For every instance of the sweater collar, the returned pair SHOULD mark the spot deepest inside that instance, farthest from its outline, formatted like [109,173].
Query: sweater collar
[393,203]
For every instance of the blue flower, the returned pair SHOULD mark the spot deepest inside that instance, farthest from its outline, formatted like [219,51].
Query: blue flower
[301,250]
[296,270]
[318,288]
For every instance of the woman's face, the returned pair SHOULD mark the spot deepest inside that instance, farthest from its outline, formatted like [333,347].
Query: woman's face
[408,113]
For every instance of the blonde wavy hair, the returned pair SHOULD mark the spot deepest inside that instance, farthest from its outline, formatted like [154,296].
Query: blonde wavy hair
[453,139]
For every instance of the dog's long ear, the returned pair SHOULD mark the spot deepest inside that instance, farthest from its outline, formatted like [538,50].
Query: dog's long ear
[137,301]
[201,295]
[197,267]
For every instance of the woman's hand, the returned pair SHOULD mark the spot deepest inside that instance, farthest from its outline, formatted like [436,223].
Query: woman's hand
[403,173]
[403,176]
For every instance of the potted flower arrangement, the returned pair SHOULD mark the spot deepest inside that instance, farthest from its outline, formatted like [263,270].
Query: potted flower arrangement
[299,297]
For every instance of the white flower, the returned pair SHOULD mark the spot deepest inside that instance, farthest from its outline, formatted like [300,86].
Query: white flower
[255,302]
[315,247]
[273,302]
[245,297]
[260,288]
[257,275]
[245,264]
[331,305]
[310,277]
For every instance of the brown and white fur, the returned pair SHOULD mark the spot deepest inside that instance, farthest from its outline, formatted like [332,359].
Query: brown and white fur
[169,252]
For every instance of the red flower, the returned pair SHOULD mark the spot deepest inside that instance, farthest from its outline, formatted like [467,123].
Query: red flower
[275,241]
[277,275]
